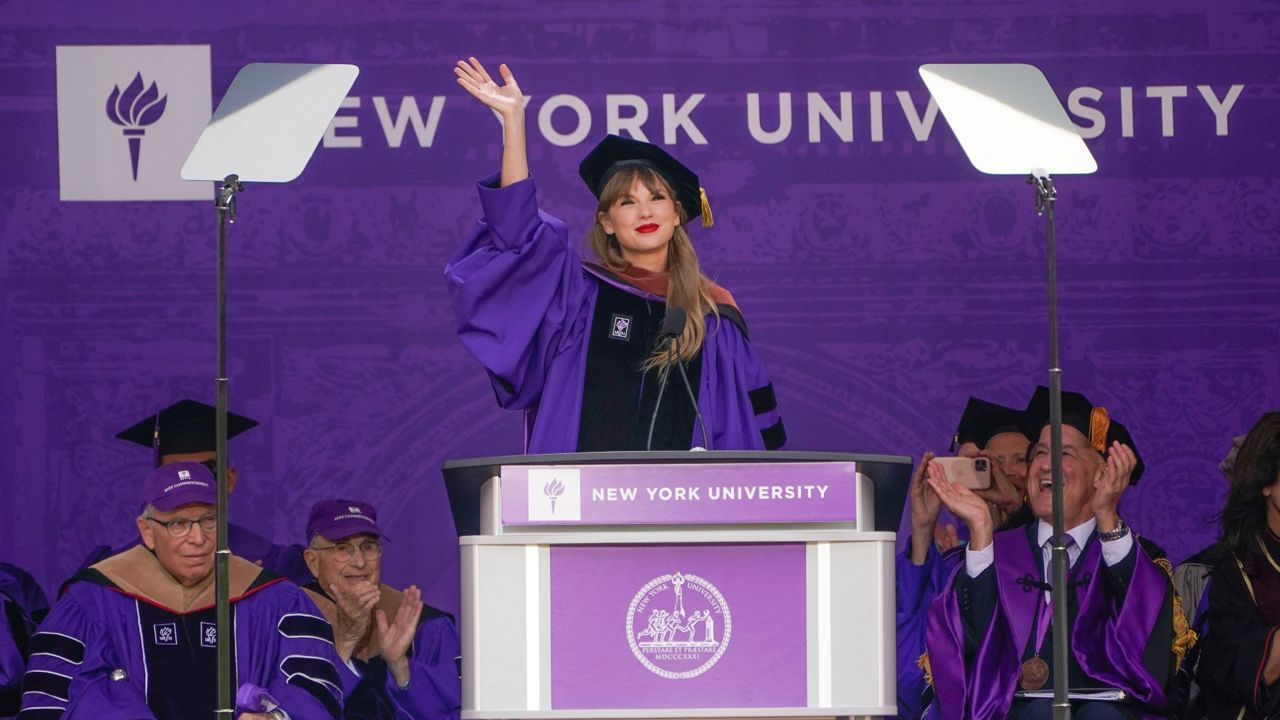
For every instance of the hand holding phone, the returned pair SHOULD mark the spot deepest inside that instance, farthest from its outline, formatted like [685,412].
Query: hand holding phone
[973,473]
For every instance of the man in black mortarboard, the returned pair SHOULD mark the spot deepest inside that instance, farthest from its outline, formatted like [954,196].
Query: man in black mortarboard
[186,432]
[989,631]
[988,430]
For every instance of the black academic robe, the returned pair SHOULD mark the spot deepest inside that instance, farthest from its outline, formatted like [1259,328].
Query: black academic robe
[1243,618]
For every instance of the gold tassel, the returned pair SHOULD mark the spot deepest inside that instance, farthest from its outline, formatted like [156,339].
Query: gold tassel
[708,219]
[1183,636]
[1099,425]
[923,664]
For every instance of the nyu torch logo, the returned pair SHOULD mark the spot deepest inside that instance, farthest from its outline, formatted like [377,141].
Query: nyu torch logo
[133,110]
[553,490]
[554,494]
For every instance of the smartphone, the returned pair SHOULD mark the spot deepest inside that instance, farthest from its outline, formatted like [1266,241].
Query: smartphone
[973,473]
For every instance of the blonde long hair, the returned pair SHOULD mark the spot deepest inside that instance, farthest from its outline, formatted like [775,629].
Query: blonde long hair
[686,287]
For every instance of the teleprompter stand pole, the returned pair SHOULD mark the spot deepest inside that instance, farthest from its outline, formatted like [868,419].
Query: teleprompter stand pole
[226,207]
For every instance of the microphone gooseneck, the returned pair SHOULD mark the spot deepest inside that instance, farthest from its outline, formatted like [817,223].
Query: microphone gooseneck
[672,326]
[706,440]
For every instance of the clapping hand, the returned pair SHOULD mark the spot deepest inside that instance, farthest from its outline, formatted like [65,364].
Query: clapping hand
[355,607]
[964,504]
[396,637]
[1110,482]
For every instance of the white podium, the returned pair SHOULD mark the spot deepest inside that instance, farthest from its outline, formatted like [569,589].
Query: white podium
[678,585]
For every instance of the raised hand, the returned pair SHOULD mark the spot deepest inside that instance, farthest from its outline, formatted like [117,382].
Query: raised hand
[1109,483]
[961,501]
[396,637]
[925,506]
[505,98]
[508,101]
[355,607]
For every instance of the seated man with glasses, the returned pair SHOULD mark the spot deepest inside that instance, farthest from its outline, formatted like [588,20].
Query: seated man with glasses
[135,635]
[185,431]
[406,651]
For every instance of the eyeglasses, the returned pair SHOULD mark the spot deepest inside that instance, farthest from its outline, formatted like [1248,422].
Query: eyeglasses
[182,527]
[343,552]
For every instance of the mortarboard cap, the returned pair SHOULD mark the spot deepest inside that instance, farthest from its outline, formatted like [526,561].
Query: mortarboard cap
[340,519]
[983,420]
[186,426]
[171,486]
[1093,421]
[615,153]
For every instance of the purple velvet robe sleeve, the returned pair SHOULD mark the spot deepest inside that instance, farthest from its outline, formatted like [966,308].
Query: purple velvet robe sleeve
[284,645]
[913,593]
[730,371]
[435,690]
[517,288]
[108,699]
[1111,635]
[71,661]
[916,588]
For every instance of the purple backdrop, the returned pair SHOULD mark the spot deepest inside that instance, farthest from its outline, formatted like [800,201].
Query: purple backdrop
[883,279]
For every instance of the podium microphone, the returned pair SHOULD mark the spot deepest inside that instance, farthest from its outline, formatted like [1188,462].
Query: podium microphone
[672,326]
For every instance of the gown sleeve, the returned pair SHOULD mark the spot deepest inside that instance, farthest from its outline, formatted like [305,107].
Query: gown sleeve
[435,690]
[1237,645]
[737,400]
[516,286]
[298,666]
[69,674]
[913,593]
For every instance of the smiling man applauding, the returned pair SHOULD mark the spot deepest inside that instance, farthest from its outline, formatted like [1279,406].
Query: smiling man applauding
[406,651]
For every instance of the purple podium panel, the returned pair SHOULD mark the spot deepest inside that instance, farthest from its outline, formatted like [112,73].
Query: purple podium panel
[672,626]
[678,494]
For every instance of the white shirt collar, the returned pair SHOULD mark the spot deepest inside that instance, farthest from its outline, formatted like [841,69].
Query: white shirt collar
[1079,533]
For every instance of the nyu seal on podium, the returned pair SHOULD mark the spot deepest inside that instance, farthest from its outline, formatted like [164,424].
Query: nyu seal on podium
[679,626]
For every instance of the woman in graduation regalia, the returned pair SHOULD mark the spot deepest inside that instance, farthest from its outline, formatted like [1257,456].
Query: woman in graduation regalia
[575,345]
[1239,668]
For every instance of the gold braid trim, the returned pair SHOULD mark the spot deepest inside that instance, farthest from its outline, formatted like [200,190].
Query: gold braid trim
[1183,636]
[923,664]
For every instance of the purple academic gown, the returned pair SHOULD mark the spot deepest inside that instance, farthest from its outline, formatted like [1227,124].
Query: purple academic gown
[1108,641]
[283,645]
[22,604]
[917,586]
[524,304]
[435,689]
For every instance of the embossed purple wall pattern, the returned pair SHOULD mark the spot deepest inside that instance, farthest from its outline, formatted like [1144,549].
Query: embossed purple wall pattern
[883,279]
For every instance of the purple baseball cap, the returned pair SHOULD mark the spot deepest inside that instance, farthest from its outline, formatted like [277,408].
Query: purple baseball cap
[171,486]
[339,519]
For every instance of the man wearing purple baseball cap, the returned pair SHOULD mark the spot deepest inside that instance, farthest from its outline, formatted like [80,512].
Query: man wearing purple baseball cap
[185,432]
[406,651]
[135,635]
